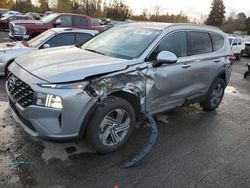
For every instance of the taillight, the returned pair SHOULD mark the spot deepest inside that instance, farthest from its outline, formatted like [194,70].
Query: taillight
[231,58]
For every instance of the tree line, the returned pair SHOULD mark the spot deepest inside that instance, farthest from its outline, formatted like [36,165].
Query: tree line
[119,10]
[114,9]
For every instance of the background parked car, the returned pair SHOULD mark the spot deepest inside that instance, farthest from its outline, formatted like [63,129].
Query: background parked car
[3,11]
[4,22]
[47,13]
[247,46]
[33,15]
[238,46]
[9,13]
[51,38]
[28,29]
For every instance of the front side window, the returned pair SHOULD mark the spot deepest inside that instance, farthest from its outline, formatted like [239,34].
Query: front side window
[66,21]
[218,41]
[175,43]
[64,39]
[125,42]
[200,43]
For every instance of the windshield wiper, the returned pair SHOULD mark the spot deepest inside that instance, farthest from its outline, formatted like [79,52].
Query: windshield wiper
[94,51]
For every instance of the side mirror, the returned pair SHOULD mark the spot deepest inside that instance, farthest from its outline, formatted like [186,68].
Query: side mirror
[58,22]
[46,46]
[165,57]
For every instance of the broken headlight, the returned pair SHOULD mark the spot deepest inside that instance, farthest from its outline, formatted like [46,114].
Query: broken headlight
[48,100]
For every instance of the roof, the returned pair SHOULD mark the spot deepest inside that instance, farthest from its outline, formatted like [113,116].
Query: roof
[162,26]
[63,30]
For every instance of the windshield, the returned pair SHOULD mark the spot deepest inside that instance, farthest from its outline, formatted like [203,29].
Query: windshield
[122,42]
[247,39]
[230,40]
[35,42]
[49,18]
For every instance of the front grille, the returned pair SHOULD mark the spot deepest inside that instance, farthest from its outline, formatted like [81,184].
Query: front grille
[20,91]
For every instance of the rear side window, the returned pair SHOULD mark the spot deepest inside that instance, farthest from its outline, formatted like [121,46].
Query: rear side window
[200,43]
[81,38]
[63,39]
[218,41]
[80,21]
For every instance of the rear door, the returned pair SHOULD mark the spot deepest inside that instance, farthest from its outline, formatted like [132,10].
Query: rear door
[207,60]
[80,22]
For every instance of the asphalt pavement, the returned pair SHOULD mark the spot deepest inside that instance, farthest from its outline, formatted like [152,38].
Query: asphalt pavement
[194,149]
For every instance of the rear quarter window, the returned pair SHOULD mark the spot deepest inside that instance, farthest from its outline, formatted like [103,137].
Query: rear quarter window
[218,41]
[80,21]
[200,43]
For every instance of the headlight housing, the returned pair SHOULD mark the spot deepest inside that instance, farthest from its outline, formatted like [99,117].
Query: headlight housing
[74,85]
[48,100]
[20,30]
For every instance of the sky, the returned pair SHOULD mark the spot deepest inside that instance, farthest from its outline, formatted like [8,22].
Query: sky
[191,8]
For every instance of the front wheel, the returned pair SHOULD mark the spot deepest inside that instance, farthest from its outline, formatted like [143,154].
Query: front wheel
[111,125]
[214,95]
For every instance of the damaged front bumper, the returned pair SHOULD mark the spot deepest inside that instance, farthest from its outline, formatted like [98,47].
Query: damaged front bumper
[51,123]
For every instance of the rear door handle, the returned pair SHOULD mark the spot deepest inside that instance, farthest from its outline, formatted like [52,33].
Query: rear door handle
[217,61]
[186,66]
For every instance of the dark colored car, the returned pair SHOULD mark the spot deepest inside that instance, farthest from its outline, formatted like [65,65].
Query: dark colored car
[27,29]
[33,15]
[4,22]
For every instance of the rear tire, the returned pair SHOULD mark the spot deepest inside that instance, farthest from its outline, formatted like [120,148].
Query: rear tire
[214,95]
[105,132]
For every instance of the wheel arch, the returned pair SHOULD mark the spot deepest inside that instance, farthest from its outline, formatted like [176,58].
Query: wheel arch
[131,98]
[7,65]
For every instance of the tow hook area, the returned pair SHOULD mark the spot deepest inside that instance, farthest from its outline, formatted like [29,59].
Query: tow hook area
[147,148]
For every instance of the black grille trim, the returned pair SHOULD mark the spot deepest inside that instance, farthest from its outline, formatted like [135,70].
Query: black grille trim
[20,91]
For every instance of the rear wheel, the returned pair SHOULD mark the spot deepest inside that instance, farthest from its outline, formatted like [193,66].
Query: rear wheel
[214,96]
[111,125]
[246,74]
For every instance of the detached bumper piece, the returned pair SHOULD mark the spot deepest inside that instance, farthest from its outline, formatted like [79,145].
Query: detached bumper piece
[138,157]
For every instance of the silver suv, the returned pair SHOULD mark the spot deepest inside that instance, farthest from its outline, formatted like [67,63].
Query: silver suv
[99,90]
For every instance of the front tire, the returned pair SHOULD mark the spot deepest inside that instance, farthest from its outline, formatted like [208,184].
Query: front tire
[111,125]
[214,95]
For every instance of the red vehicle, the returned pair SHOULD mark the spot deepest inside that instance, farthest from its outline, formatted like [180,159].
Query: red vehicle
[4,22]
[27,29]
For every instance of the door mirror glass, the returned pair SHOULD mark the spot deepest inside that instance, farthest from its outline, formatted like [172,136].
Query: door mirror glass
[46,46]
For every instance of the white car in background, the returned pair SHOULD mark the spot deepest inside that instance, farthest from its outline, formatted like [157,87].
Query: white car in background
[55,37]
[11,13]
[237,46]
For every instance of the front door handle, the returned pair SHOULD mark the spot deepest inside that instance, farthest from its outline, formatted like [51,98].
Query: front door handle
[217,61]
[186,66]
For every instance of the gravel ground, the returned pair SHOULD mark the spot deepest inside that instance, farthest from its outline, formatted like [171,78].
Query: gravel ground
[194,149]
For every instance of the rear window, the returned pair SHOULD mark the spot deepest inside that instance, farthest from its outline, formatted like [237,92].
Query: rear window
[200,43]
[218,41]
[80,21]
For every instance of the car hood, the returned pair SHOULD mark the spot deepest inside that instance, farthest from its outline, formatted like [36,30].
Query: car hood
[27,22]
[10,45]
[67,64]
